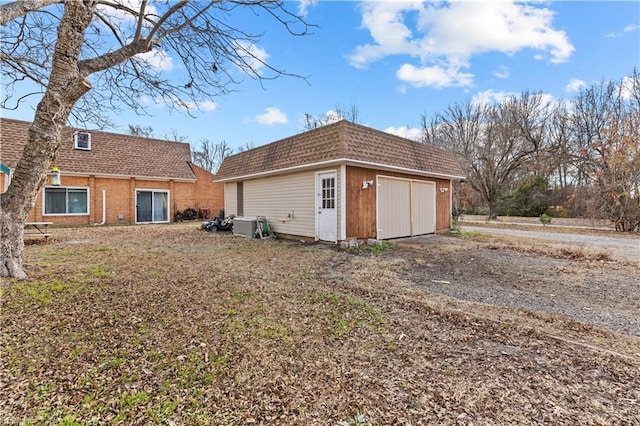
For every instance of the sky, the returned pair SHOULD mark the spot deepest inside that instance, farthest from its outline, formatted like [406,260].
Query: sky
[397,61]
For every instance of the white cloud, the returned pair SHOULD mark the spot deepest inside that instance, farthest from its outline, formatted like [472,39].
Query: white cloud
[629,87]
[207,106]
[627,29]
[405,132]
[200,106]
[434,76]
[271,117]
[159,102]
[121,18]
[304,5]
[254,56]
[332,116]
[156,59]
[574,85]
[444,36]
[491,97]
[502,72]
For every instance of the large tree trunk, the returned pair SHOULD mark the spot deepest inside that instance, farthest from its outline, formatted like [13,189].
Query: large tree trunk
[66,86]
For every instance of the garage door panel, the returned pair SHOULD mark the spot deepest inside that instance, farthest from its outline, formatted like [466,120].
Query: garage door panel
[394,215]
[423,209]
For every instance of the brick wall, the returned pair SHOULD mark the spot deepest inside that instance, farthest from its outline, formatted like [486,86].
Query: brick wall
[208,194]
[120,198]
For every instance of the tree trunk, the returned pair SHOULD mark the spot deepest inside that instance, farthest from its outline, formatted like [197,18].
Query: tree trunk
[66,86]
[11,246]
[493,210]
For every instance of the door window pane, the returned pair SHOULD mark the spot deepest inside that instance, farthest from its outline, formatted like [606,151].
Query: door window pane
[143,206]
[328,193]
[160,211]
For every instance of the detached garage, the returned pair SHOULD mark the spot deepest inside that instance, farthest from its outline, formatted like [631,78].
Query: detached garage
[343,181]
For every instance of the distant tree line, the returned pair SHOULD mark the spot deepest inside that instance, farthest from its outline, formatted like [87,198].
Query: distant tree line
[529,155]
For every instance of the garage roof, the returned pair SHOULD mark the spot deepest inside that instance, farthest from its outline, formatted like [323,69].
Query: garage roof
[341,142]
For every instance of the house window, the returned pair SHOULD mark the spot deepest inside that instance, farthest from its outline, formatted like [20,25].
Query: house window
[66,201]
[82,140]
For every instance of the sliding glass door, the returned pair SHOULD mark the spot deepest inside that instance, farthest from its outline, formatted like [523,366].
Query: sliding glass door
[152,206]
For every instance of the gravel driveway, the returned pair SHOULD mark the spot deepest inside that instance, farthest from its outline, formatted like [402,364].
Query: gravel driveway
[621,248]
[602,293]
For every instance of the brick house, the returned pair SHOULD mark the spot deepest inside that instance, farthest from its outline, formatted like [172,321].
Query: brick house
[113,178]
[343,181]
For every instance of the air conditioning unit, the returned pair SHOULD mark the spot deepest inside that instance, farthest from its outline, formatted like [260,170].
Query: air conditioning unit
[244,226]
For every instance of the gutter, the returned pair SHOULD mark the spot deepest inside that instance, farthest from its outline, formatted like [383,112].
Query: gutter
[104,209]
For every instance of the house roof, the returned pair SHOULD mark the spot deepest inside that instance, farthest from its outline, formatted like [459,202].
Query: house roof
[111,154]
[342,142]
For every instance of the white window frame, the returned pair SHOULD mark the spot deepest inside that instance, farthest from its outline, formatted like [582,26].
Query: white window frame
[75,141]
[66,188]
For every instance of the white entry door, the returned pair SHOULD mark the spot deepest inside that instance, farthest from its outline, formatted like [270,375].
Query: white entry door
[326,212]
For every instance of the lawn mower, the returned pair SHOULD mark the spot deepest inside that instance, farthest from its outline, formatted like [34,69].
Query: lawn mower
[218,224]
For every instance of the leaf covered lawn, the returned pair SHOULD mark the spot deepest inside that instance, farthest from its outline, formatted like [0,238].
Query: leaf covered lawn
[174,325]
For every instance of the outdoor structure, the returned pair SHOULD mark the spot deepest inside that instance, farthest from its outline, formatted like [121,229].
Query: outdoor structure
[112,178]
[343,181]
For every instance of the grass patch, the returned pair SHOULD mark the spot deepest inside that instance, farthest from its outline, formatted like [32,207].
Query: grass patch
[43,291]
[346,313]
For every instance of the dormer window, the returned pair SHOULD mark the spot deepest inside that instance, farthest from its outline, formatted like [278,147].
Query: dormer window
[82,140]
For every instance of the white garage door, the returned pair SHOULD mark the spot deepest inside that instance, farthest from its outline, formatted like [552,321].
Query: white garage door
[405,207]
[423,207]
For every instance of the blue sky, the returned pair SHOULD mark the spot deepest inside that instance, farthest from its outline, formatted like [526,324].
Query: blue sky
[395,61]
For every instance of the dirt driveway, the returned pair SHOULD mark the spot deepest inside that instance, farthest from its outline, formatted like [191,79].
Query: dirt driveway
[542,277]
[618,247]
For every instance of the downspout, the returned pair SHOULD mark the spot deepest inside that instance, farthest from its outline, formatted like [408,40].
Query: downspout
[104,208]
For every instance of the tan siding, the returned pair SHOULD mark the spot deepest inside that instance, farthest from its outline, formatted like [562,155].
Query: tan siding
[275,197]
[230,200]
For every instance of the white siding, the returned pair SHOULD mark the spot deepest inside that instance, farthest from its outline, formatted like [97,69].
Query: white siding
[230,199]
[278,196]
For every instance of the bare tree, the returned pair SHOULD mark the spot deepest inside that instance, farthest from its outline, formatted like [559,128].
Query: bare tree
[175,136]
[351,114]
[141,131]
[606,130]
[210,155]
[493,143]
[246,146]
[91,55]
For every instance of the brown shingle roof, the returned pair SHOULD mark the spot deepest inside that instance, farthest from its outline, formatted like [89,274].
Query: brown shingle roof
[344,141]
[110,154]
